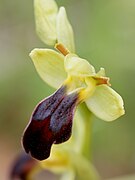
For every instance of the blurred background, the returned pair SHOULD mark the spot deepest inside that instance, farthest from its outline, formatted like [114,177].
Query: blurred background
[105,35]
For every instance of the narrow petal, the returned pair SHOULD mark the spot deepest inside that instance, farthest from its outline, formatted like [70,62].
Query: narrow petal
[64,30]
[77,66]
[45,16]
[106,103]
[50,66]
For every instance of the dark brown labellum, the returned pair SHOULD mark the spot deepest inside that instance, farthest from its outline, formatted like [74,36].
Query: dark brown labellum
[50,123]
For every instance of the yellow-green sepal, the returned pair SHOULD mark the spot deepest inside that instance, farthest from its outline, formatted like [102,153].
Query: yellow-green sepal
[76,66]
[106,103]
[45,17]
[64,29]
[50,66]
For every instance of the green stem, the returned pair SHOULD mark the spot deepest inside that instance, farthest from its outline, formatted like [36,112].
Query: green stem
[84,169]
[85,115]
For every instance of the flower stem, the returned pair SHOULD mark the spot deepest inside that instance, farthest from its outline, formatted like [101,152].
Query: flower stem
[85,121]
[86,116]
[84,169]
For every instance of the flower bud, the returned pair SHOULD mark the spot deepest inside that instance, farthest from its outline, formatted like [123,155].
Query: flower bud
[22,167]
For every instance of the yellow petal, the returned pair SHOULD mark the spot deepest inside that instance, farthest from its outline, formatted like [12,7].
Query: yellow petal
[76,66]
[106,103]
[45,16]
[50,66]
[64,30]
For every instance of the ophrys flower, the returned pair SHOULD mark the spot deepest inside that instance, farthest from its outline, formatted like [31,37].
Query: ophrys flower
[77,82]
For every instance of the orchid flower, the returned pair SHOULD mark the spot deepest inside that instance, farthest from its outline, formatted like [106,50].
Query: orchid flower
[77,83]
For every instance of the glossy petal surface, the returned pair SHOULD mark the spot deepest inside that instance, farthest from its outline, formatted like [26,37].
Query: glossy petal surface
[50,66]
[106,103]
[61,119]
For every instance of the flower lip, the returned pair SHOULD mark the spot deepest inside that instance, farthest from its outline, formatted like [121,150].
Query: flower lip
[48,105]
[61,119]
[22,166]
[50,123]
